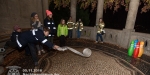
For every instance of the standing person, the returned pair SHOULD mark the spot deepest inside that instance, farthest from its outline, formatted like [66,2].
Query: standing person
[30,38]
[36,24]
[70,25]
[79,27]
[100,30]
[49,22]
[62,32]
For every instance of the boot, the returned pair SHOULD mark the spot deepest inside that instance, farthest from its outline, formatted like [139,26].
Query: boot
[39,52]
[42,51]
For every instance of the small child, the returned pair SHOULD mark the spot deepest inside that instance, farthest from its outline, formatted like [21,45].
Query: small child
[49,22]
[36,24]
[79,27]
[70,25]
[100,30]
[62,32]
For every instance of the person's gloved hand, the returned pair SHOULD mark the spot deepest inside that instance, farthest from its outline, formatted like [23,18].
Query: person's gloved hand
[62,48]
[55,47]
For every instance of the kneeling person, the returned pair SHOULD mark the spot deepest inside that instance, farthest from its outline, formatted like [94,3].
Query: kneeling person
[31,38]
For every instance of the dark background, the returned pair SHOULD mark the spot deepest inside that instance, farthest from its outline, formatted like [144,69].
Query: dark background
[112,20]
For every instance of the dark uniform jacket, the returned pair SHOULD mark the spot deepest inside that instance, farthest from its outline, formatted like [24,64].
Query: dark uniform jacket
[51,25]
[13,36]
[32,36]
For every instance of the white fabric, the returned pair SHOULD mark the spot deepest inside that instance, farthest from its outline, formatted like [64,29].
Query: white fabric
[86,52]
[45,40]
[54,27]
[33,32]
[18,41]
[36,38]
[49,35]
[48,23]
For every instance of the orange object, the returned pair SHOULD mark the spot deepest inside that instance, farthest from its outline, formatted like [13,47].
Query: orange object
[136,50]
[141,49]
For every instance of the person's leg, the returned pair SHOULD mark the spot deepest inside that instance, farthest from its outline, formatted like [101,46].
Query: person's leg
[38,48]
[33,53]
[97,37]
[10,44]
[61,40]
[101,38]
[27,51]
[70,33]
[41,48]
[79,34]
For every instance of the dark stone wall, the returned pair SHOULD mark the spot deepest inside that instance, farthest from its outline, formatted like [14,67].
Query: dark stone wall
[17,12]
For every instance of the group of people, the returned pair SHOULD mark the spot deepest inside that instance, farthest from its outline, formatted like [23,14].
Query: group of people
[32,41]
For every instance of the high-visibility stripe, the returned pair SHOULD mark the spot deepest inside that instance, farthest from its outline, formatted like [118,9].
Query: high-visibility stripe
[48,23]
[33,32]
[36,38]
[18,41]
[45,40]
[49,35]
[54,27]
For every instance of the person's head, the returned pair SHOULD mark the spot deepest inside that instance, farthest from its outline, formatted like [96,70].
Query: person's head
[17,28]
[62,21]
[34,16]
[79,19]
[70,18]
[100,20]
[49,14]
[46,31]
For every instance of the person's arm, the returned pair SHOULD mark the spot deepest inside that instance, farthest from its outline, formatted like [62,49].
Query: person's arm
[58,33]
[40,36]
[76,25]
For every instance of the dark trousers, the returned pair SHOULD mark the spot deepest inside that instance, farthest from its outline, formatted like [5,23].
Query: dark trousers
[99,35]
[29,48]
[70,33]
[62,40]
[33,52]
[78,33]
[15,45]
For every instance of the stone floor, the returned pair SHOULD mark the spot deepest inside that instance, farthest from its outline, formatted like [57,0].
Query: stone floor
[106,59]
